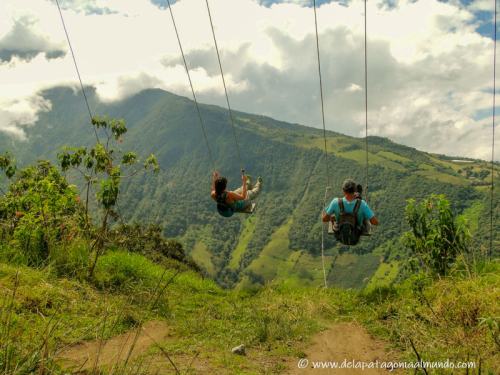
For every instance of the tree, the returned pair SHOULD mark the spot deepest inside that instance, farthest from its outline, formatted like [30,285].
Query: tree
[98,167]
[436,237]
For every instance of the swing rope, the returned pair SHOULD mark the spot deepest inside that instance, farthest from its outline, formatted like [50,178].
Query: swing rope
[83,90]
[493,132]
[76,67]
[366,110]
[225,88]
[321,93]
[191,84]
[328,188]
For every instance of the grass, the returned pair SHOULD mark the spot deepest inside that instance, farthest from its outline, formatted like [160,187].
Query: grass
[274,254]
[385,275]
[443,177]
[245,238]
[203,257]
[453,318]
[202,317]
[443,319]
[284,266]
[393,156]
[353,271]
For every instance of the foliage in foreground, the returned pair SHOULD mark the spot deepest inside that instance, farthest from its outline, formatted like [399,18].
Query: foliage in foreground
[454,318]
[436,236]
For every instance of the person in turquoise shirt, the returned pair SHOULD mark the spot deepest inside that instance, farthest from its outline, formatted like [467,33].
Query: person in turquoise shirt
[349,189]
[237,200]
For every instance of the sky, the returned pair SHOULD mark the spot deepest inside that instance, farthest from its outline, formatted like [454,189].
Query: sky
[430,63]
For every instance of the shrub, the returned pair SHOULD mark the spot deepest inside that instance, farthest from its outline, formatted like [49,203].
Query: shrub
[436,237]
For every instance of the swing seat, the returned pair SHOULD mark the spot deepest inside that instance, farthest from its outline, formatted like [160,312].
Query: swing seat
[248,210]
[366,230]
[330,228]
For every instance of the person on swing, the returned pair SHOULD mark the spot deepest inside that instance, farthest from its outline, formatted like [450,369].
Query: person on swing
[351,194]
[230,201]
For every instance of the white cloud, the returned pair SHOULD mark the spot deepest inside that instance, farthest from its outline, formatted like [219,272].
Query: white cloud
[20,112]
[25,40]
[353,87]
[429,70]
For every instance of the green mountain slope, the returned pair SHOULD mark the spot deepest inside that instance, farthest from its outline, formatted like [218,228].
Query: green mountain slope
[282,239]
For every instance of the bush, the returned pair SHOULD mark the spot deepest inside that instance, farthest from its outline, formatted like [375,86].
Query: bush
[39,211]
[436,237]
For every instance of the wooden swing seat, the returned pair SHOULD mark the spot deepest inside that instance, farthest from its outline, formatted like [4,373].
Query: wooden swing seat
[248,210]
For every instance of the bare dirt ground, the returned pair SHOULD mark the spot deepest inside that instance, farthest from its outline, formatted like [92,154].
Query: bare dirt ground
[83,355]
[343,341]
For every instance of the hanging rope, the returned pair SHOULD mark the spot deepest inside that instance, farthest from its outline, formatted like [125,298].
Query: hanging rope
[366,110]
[328,188]
[76,66]
[191,84]
[225,89]
[493,131]
[321,93]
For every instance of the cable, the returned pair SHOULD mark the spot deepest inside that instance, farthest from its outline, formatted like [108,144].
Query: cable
[76,66]
[366,110]
[321,92]
[191,84]
[225,89]
[326,152]
[328,188]
[493,131]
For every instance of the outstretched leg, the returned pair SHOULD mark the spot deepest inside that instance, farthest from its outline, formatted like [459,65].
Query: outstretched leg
[240,190]
[254,193]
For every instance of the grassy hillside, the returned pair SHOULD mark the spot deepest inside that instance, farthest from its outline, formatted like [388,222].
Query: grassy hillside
[45,317]
[283,240]
[147,309]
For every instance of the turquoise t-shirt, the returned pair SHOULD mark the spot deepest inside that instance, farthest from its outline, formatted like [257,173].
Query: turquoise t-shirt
[236,206]
[364,211]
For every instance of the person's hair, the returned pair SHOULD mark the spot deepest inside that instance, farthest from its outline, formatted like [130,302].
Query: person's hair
[349,186]
[220,185]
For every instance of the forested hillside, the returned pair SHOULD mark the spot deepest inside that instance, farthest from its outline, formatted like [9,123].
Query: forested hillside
[282,239]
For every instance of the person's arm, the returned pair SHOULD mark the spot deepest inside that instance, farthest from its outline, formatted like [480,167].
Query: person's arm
[243,195]
[369,214]
[327,218]
[213,186]
[215,178]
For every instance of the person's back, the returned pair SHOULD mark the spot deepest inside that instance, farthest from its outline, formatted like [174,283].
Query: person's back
[349,214]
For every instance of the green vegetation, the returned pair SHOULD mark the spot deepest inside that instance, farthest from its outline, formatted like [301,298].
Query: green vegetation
[202,256]
[386,274]
[290,158]
[436,237]
[453,318]
[245,238]
[50,301]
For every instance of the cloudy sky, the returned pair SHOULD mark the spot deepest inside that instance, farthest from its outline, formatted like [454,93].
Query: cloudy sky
[430,63]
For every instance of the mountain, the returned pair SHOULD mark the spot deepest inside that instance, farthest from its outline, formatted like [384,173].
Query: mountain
[282,239]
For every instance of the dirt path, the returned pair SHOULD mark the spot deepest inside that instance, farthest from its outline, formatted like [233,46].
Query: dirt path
[344,341]
[116,349]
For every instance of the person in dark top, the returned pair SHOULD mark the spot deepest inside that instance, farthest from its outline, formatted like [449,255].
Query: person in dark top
[238,200]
